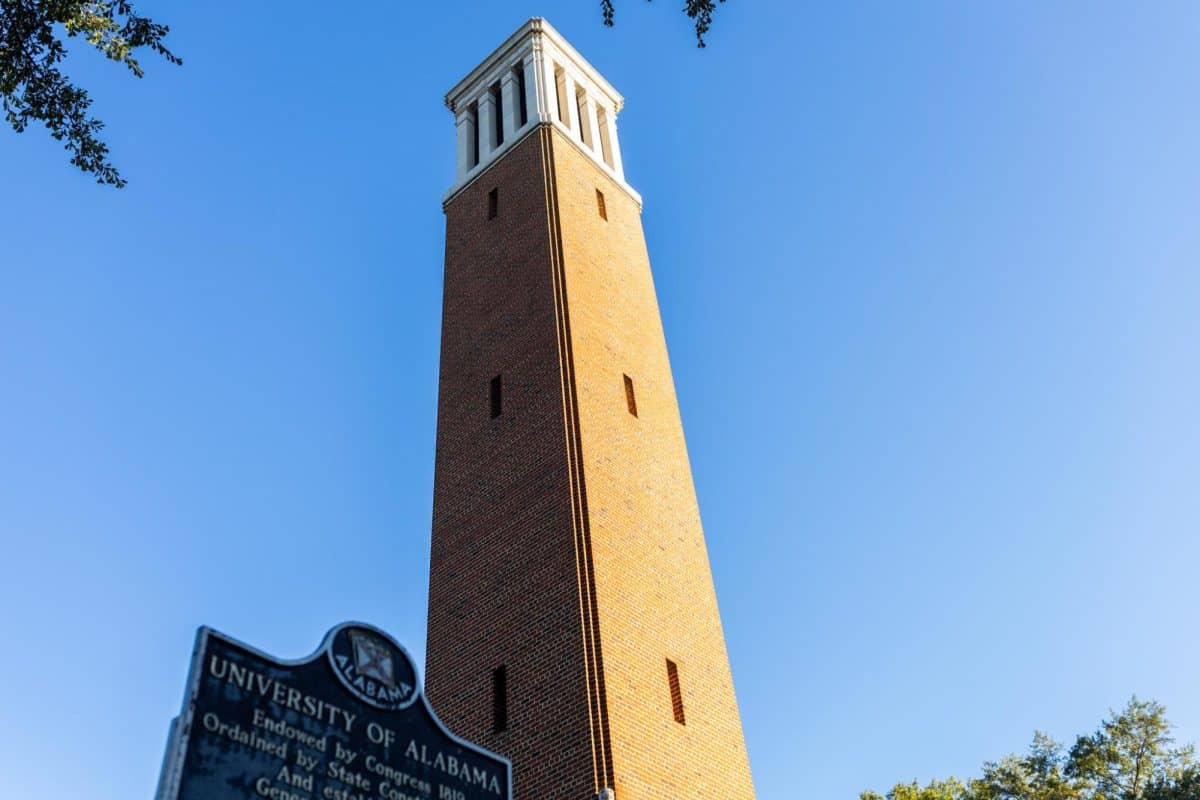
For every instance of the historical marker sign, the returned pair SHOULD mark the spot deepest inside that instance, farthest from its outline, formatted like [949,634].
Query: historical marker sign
[349,722]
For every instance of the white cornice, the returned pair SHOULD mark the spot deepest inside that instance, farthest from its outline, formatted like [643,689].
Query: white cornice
[529,36]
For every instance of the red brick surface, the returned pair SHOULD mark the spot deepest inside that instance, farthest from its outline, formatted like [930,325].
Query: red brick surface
[567,542]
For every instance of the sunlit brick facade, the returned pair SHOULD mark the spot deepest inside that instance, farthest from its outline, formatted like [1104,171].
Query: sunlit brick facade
[568,564]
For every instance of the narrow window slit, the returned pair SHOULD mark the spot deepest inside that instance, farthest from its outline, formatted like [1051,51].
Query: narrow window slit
[601,207]
[493,202]
[499,699]
[473,115]
[585,127]
[495,397]
[497,115]
[676,692]
[630,398]
[522,98]
[560,95]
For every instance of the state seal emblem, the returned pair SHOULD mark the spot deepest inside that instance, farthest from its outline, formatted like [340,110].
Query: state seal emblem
[371,658]
[374,668]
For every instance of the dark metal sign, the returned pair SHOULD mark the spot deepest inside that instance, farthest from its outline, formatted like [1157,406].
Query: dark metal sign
[349,722]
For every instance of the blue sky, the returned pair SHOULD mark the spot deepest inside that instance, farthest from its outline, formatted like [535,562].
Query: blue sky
[928,274]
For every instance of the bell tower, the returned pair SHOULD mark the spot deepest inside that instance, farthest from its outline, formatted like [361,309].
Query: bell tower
[573,625]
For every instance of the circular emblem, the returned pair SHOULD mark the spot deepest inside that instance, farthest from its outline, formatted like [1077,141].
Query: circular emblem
[373,667]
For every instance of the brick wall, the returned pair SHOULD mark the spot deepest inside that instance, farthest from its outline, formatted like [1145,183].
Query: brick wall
[567,542]
[502,586]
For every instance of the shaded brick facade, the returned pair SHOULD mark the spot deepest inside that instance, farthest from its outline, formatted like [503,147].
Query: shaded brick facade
[567,544]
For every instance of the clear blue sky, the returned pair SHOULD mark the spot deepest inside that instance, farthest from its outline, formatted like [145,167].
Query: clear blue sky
[929,276]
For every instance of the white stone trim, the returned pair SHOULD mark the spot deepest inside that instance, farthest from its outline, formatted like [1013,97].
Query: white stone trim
[591,125]
[614,141]
[521,134]
[569,89]
[531,90]
[487,125]
[546,90]
[509,90]
[465,151]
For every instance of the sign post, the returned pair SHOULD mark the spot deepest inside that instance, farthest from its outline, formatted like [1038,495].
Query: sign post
[349,722]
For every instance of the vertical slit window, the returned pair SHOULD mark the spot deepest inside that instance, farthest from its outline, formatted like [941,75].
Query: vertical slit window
[630,398]
[473,113]
[522,98]
[499,699]
[560,95]
[495,398]
[605,143]
[497,114]
[493,203]
[603,209]
[585,124]
[676,692]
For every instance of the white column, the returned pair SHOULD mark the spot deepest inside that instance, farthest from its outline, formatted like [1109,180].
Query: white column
[512,115]
[531,89]
[602,124]
[614,144]
[591,136]
[546,91]
[465,127]
[487,124]
[572,106]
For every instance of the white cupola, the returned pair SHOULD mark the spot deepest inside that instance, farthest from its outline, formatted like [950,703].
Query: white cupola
[535,78]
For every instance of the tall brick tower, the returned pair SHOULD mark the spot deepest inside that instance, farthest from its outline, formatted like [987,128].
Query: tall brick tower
[573,625]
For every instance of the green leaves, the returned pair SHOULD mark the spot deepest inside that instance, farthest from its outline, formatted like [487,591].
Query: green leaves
[949,789]
[1038,775]
[1129,752]
[699,11]
[1129,757]
[33,88]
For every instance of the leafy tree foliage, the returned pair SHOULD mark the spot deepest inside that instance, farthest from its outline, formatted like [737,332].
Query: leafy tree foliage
[1184,787]
[950,789]
[1131,756]
[1037,775]
[32,87]
[699,11]
[1128,753]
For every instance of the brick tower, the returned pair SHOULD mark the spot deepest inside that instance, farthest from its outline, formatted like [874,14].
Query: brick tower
[573,625]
